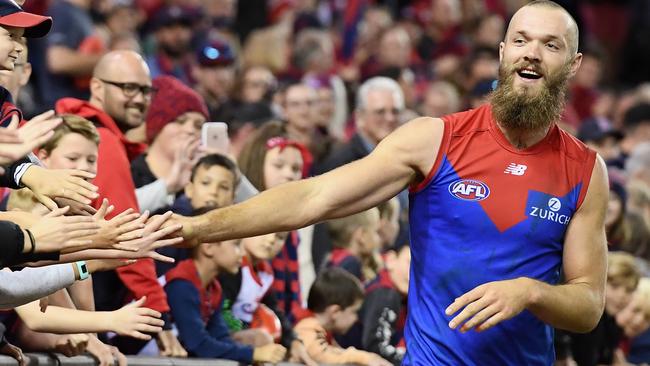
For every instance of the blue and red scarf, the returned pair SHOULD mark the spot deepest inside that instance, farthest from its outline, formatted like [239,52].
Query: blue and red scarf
[286,283]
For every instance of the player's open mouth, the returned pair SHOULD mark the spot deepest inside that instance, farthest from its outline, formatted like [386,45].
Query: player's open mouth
[528,73]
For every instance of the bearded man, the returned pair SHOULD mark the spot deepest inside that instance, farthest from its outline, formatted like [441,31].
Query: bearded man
[502,200]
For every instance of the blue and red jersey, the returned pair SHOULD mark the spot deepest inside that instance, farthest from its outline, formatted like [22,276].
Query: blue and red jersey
[489,212]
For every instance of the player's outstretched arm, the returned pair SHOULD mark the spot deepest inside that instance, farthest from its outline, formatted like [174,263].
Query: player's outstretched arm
[576,305]
[404,157]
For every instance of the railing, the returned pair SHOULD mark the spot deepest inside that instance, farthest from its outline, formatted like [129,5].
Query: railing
[55,359]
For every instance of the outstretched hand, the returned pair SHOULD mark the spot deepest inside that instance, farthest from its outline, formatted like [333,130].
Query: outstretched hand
[489,304]
[16,142]
[49,184]
[63,233]
[126,226]
[156,234]
[134,320]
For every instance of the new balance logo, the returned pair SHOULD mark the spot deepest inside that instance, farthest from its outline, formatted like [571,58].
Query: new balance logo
[515,169]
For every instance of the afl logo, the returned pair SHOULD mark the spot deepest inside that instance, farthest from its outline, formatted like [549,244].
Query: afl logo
[469,190]
[554,204]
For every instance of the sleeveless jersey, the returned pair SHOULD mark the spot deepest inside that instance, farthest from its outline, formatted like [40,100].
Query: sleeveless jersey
[489,212]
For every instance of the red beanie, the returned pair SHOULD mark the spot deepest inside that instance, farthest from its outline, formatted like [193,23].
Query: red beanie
[172,99]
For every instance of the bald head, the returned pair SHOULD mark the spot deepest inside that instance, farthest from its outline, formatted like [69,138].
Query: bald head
[571,32]
[121,64]
[121,87]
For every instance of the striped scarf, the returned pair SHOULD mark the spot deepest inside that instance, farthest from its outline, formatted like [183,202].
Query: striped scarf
[285,283]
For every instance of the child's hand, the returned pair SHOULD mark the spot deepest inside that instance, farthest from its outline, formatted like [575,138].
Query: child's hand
[133,320]
[123,227]
[71,344]
[272,353]
[63,233]
[377,360]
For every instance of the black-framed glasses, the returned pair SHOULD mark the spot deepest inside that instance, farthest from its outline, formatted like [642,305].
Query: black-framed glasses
[130,90]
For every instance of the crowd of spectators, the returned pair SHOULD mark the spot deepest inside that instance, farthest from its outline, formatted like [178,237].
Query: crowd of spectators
[304,86]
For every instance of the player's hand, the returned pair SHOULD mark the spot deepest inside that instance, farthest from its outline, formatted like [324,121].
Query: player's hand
[156,234]
[187,234]
[299,354]
[48,184]
[272,353]
[489,304]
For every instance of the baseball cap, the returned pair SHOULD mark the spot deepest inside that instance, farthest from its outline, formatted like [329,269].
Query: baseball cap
[215,53]
[12,15]
[596,129]
[176,14]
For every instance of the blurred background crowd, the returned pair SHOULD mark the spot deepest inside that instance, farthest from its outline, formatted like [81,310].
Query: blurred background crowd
[305,86]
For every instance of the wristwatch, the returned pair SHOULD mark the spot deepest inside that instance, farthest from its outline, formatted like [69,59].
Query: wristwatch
[82,268]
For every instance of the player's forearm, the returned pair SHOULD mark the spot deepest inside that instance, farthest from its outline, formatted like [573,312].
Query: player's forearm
[286,207]
[575,307]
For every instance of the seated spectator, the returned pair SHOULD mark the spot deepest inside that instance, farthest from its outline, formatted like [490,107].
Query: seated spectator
[195,298]
[173,128]
[333,304]
[600,346]
[356,244]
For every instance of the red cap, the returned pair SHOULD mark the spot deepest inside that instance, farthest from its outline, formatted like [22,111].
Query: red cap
[12,15]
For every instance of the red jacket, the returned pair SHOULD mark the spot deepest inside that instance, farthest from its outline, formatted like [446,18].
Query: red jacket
[115,183]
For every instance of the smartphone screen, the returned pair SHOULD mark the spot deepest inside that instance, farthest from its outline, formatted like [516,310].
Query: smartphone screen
[214,135]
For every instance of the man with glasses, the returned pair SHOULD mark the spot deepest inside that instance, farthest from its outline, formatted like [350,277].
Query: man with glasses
[380,100]
[121,91]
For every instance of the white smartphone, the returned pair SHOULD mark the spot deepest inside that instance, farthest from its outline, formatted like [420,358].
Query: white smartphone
[214,136]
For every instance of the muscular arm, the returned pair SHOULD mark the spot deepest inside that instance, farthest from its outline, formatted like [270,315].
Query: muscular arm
[578,304]
[403,157]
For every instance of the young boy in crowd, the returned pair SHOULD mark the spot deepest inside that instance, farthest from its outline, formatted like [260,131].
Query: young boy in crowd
[356,243]
[333,303]
[195,299]
[250,307]
[212,185]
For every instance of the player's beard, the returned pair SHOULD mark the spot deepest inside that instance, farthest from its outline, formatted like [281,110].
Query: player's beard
[526,109]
